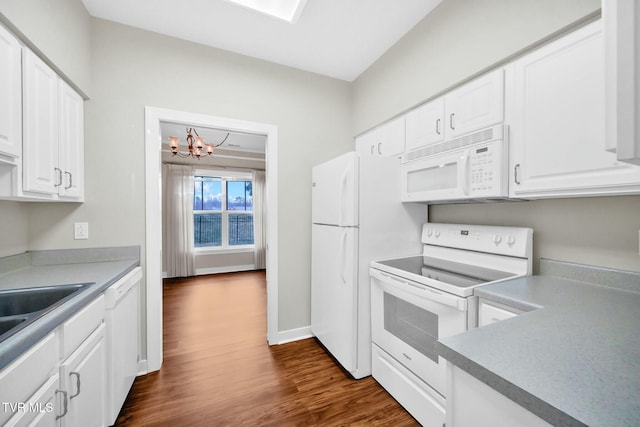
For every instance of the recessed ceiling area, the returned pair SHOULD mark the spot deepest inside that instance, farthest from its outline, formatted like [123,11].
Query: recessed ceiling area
[335,38]
[287,10]
[237,141]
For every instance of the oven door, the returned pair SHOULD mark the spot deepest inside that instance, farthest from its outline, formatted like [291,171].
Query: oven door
[407,318]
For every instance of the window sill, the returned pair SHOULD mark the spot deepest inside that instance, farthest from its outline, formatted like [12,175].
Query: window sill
[220,251]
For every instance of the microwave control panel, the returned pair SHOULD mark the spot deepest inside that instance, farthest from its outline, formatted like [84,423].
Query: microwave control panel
[486,169]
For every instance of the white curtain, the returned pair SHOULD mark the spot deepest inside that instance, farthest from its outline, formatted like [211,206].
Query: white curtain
[259,220]
[178,207]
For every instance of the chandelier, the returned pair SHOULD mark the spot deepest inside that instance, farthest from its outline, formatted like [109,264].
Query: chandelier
[196,145]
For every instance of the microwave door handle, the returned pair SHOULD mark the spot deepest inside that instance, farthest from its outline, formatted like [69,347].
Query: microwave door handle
[465,173]
[424,291]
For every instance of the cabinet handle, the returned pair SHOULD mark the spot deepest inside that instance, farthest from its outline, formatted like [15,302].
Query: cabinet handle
[70,180]
[59,176]
[451,121]
[516,169]
[77,375]
[438,127]
[65,404]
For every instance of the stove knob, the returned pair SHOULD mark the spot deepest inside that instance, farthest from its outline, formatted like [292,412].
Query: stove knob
[437,233]
[510,240]
[497,239]
[429,232]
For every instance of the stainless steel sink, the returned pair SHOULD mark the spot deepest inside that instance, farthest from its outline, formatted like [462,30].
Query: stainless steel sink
[20,307]
[30,300]
[8,324]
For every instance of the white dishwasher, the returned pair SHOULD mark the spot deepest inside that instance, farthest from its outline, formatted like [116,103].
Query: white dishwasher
[123,332]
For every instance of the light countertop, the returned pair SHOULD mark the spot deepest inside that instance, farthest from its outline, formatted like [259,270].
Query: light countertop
[573,357]
[100,267]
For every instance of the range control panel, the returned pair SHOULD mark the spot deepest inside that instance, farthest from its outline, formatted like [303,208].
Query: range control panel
[512,241]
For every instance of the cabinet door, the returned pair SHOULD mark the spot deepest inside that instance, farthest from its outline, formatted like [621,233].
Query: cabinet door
[425,125]
[71,143]
[10,95]
[390,138]
[476,105]
[40,126]
[557,128]
[42,409]
[83,377]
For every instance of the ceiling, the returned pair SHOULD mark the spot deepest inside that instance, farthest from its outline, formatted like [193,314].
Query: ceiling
[335,38]
[236,141]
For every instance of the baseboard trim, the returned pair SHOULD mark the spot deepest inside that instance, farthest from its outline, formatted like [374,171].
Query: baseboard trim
[216,270]
[226,269]
[143,367]
[294,335]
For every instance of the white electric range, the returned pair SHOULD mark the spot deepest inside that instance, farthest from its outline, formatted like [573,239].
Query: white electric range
[417,300]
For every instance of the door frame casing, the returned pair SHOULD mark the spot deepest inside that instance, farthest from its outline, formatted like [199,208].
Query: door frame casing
[153,218]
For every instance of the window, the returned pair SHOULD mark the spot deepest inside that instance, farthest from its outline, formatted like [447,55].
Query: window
[222,210]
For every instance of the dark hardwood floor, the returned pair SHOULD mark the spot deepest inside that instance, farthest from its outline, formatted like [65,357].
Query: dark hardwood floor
[219,371]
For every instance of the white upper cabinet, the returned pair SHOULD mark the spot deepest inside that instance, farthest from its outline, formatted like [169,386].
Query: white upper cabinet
[41,173]
[473,106]
[556,116]
[10,97]
[387,140]
[425,125]
[53,161]
[622,56]
[71,143]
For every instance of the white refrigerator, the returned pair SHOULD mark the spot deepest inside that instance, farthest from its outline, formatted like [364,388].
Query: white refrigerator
[357,217]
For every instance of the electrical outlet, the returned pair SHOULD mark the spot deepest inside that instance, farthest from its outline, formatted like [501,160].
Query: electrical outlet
[80,230]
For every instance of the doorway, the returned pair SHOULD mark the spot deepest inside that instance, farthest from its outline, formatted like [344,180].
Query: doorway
[153,204]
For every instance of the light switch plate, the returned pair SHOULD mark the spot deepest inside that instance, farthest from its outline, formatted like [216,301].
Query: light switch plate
[80,230]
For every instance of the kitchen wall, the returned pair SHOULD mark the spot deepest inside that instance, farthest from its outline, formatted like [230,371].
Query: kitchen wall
[60,31]
[460,39]
[132,69]
[13,228]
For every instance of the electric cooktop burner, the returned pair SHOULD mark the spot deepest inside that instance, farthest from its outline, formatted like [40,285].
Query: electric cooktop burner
[450,272]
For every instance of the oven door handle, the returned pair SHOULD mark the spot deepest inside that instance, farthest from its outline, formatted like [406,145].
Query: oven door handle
[424,291]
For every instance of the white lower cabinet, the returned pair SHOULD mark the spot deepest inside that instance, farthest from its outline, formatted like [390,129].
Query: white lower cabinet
[62,380]
[556,116]
[490,312]
[21,380]
[42,409]
[83,378]
[472,403]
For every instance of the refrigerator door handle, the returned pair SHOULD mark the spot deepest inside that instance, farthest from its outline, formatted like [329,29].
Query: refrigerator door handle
[343,192]
[343,261]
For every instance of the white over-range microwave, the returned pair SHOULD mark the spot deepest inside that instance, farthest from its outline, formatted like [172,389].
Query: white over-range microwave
[471,167]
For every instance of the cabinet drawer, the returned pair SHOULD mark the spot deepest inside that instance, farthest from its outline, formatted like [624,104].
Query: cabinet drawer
[421,401]
[488,314]
[79,327]
[20,380]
